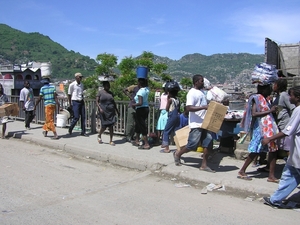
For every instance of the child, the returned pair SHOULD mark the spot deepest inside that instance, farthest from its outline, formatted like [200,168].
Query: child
[173,109]
[184,118]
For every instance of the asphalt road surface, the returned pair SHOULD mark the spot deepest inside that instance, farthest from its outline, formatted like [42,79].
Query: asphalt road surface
[39,185]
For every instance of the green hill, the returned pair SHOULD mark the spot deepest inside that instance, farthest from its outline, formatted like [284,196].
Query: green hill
[19,47]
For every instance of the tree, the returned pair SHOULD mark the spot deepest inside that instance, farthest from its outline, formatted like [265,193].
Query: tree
[186,82]
[107,64]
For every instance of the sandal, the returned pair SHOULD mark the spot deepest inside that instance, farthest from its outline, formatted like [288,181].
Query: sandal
[99,140]
[135,144]
[143,147]
[176,159]
[273,180]
[164,151]
[45,133]
[112,143]
[244,177]
[207,169]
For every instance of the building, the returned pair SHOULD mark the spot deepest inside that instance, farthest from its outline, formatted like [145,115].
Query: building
[12,77]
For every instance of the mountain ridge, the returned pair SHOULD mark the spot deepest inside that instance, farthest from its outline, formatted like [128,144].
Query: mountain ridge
[18,47]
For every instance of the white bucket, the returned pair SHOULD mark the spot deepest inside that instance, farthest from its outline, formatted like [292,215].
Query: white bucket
[46,69]
[61,120]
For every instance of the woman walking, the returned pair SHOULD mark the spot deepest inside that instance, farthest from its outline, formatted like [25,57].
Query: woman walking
[107,111]
[142,112]
[259,122]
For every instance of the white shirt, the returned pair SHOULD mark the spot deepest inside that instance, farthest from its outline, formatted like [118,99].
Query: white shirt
[292,129]
[196,97]
[76,91]
[26,96]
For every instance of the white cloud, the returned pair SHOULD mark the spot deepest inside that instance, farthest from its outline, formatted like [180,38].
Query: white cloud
[253,27]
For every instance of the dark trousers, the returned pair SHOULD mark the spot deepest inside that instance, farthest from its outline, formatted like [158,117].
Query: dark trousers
[140,120]
[79,111]
[130,123]
[29,115]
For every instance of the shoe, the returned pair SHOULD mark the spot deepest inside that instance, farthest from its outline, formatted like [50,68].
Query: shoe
[28,128]
[84,135]
[112,143]
[54,138]
[268,202]
[176,159]
[70,131]
[45,133]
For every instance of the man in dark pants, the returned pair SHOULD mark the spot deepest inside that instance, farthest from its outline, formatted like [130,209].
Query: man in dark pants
[75,95]
[27,101]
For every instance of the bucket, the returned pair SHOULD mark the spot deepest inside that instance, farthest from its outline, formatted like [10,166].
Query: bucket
[199,149]
[46,69]
[61,120]
[142,72]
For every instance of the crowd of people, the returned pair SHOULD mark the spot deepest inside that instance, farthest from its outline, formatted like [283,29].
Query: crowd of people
[272,125]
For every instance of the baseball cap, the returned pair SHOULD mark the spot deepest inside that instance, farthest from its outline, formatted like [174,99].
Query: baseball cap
[78,75]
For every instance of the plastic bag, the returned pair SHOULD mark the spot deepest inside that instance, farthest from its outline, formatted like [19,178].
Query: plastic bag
[216,94]
[264,74]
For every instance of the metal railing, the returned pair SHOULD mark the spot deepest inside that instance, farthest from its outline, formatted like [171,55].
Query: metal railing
[92,121]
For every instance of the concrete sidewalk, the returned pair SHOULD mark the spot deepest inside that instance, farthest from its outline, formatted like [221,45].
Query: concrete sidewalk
[126,155]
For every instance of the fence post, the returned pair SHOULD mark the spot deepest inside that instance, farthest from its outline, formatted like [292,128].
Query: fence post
[93,121]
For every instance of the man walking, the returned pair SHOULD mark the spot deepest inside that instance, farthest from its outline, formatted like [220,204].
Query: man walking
[27,102]
[196,104]
[48,93]
[75,95]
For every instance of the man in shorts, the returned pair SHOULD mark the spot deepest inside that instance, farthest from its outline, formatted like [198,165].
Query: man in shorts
[196,104]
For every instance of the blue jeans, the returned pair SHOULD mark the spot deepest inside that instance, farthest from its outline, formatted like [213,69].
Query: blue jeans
[79,111]
[289,180]
[172,125]
[197,136]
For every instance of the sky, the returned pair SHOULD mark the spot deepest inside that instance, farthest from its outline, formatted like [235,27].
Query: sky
[167,28]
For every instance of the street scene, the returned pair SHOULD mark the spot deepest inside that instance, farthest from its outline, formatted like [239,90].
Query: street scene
[42,185]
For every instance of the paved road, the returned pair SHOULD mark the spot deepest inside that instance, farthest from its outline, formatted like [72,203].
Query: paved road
[40,185]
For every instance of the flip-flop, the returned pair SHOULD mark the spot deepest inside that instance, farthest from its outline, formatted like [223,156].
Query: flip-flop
[99,140]
[112,143]
[163,151]
[207,169]
[54,138]
[244,177]
[273,180]
[142,147]
[135,144]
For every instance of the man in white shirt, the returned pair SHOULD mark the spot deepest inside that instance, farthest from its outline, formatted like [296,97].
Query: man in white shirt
[27,102]
[75,95]
[196,104]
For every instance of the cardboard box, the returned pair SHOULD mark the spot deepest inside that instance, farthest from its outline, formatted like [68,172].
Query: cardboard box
[213,120]
[214,116]
[9,109]
[181,136]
